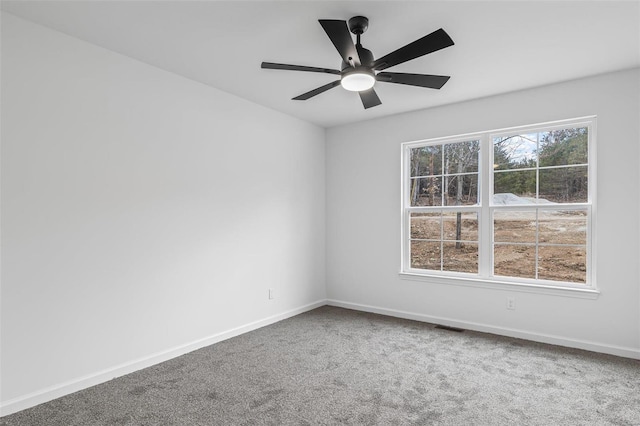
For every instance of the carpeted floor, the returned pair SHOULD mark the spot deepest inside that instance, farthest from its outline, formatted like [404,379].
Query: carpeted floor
[334,366]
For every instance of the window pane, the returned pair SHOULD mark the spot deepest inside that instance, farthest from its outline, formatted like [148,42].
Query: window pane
[460,257]
[514,226]
[425,226]
[558,263]
[426,191]
[562,226]
[461,157]
[426,161]
[564,184]
[461,190]
[565,146]
[520,183]
[425,255]
[460,226]
[514,260]
[515,151]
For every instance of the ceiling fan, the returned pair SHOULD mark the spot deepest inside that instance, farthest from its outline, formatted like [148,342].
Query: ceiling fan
[359,71]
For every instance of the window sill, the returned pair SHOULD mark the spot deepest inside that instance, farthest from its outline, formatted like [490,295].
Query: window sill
[581,293]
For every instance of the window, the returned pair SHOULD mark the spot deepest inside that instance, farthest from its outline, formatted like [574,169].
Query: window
[513,205]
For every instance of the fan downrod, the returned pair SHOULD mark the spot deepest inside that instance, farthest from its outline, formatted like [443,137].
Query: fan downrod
[358,25]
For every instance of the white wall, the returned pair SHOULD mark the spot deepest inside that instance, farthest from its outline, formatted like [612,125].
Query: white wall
[141,212]
[363,218]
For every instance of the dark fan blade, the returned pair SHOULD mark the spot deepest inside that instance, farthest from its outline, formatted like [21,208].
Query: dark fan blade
[422,80]
[369,98]
[317,91]
[273,66]
[341,39]
[430,43]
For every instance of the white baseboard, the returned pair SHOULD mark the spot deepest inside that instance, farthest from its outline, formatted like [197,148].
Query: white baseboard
[44,395]
[503,331]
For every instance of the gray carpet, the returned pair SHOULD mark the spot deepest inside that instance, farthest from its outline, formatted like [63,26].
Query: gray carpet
[334,366]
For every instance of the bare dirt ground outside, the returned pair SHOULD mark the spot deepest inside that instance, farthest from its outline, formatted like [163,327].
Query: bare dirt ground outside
[560,234]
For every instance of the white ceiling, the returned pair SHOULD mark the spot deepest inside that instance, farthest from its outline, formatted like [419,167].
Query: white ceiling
[500,46]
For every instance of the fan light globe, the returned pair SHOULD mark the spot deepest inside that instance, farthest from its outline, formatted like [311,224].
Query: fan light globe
[358,81]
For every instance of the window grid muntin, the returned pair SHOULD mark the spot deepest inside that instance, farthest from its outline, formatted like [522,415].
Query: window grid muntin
[537,244]
[442,240]
[443,143]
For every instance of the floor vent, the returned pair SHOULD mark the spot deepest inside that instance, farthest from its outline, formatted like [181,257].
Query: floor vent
[446,327]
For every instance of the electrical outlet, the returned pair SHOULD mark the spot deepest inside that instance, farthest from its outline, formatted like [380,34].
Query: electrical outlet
[271,294]
[511,303]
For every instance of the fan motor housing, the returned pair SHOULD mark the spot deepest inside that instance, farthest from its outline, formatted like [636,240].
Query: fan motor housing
[366,57]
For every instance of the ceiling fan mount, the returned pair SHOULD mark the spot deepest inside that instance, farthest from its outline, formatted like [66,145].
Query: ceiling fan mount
[358,24]
[360,70]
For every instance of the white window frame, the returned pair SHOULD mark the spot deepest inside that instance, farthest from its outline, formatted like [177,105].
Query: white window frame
[485,210]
